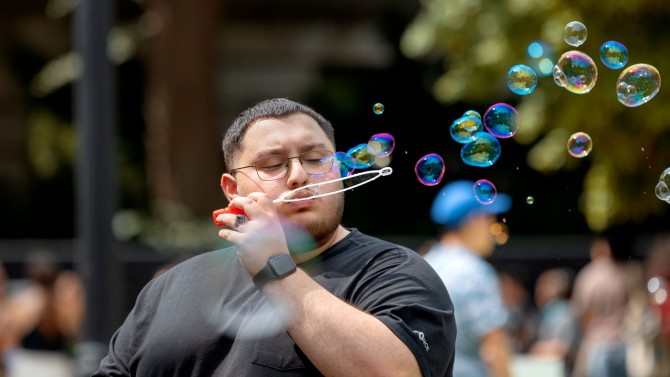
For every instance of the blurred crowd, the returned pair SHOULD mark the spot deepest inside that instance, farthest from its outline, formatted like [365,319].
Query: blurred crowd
[610,318]
[40,316]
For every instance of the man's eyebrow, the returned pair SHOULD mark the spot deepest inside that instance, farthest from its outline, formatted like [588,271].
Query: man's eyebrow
[281,151]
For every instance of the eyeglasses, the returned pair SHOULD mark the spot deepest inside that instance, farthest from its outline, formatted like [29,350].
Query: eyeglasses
[275,167]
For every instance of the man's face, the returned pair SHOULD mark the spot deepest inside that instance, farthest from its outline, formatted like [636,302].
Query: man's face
[291,136]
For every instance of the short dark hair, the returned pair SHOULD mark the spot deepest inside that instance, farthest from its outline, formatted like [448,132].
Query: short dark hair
[269,109]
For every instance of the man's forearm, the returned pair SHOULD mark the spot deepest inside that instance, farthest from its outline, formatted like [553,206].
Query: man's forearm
[339,339]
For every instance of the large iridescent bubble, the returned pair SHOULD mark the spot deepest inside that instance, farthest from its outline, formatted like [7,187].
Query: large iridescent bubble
[381,145]
[613,54]
[576,72]
[501,120]
[580,144]
[362,156]
[521,79]
[346,163]
[638,84]
[575,33]
[463,129]
[429,169]
[485,191]
[483,151]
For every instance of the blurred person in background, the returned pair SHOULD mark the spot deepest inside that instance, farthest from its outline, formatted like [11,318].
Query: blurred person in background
[4,322]
[522,322]
[483,346]
[558,330]
[44,318]
[657,273]
[602,296]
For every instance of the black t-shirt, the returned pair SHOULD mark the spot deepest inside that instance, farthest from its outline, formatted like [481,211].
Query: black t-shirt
[204,317]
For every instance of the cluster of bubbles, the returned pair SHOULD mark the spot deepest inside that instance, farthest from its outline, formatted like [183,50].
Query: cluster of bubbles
[657,286]
[377,151]
[663,186]
[479,136]
[577,72]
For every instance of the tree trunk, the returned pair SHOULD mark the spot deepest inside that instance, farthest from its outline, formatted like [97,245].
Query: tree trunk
[184,161]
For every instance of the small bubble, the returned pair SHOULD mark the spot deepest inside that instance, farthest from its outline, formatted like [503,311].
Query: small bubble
[362,156]
[472,113]
[575,33]
[521,79]
[576,72]
[483,151]
[463,129]
[501,120]
[613,54]
[347,163]
[381,145]
[530,200]
[485,191]
[580,144]
[378,108]
[429,169]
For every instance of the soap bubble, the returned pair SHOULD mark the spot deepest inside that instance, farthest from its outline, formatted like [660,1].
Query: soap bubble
[663,186]
[530,200]
[638,84]
[574,33]
[472,113]
[378,108]
[613,54]
[485,192]
[381,145]
[483,151]
[347,164]
[362,156]
[521,79]
[463,129]
[580,144]
[576,72]
[430,169]
[501,120]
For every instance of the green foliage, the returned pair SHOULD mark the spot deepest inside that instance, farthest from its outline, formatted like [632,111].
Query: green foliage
[479,40]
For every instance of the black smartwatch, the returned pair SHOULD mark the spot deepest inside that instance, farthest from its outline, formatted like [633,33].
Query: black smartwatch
[279,266]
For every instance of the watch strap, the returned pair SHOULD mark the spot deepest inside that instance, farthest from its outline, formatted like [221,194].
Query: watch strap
[270,272]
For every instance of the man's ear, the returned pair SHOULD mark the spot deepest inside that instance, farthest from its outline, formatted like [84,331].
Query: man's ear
[229,186]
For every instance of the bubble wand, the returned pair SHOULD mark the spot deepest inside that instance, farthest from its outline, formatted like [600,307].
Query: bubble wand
[283,198]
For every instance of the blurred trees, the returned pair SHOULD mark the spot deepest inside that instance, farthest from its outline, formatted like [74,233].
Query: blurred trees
[475,43]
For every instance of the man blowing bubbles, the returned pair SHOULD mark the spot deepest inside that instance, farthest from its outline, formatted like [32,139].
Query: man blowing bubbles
[367,308]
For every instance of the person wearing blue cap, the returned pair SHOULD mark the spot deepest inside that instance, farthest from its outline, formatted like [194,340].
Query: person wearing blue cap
[482,343]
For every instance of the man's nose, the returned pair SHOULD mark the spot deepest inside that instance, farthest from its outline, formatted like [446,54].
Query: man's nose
[297,176]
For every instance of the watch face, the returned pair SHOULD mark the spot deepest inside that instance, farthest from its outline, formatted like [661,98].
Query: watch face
[282,265]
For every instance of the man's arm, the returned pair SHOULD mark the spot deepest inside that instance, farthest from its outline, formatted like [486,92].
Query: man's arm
[496,352]
[338,338]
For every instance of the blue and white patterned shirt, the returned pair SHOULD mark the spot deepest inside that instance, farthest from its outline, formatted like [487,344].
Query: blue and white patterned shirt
[478,306]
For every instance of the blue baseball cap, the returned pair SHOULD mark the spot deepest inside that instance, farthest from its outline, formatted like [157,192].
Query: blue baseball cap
[456,202]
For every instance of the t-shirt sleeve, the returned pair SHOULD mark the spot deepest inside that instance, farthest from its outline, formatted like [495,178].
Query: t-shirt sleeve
[405,293]
[124,342]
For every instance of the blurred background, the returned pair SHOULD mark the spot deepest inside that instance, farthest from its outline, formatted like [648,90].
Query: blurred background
[117,205]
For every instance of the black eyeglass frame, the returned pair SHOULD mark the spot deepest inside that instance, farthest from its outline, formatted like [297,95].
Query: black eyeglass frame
[328,154]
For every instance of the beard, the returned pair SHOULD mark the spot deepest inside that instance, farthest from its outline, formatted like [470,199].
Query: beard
[322,228]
